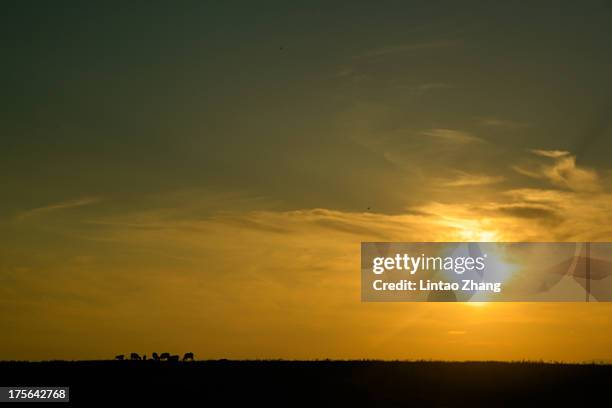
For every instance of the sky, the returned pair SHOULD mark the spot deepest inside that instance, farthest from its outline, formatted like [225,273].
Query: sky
[199,176]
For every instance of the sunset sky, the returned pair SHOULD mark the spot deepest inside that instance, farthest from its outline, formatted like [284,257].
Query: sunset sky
[200,177]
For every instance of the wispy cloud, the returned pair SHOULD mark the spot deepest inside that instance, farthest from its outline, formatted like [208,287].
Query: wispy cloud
[501,123]
[527,172]
[349,73]
[464,179]
[64,205]
[563,172]
[406,48]
[450,135]
[427,87]
[550,153]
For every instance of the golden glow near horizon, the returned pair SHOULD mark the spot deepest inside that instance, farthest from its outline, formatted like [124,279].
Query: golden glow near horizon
[280,284]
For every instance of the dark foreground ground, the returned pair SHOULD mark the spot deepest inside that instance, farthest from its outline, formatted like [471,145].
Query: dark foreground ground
[321,383]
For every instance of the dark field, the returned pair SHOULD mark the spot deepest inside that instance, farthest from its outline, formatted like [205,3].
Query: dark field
[321,383]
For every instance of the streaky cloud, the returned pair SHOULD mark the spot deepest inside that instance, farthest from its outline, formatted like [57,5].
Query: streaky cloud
[464,179]
[451,135]
[563,172]
[501,123]
[555,154]
[64,205]
[405,48]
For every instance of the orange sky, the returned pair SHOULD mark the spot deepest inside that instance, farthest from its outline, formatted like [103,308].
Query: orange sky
[279,284]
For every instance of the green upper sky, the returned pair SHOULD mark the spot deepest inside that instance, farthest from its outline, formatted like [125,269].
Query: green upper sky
[310,106]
